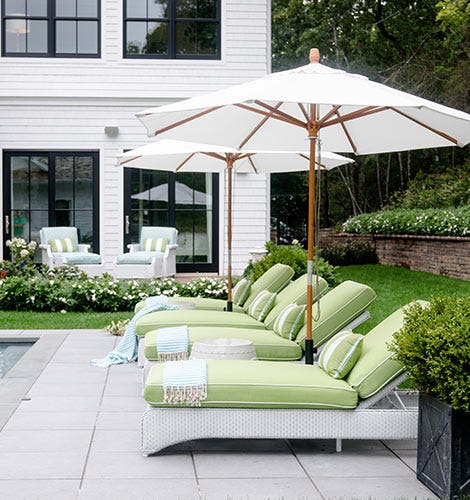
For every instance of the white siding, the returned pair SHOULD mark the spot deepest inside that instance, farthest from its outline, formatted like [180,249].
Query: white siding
[50,104]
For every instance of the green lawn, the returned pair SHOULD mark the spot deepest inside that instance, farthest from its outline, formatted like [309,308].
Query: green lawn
[394,286]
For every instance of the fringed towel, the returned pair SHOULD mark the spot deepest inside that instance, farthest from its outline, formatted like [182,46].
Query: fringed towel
[126,350]
[172,343]
[185,382]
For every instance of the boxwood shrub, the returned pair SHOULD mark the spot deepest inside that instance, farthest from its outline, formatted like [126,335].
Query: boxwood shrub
[434,222]
[434,347]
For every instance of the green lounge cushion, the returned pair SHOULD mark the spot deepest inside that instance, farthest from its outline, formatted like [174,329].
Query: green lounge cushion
[268,346]
[160,319]
[63,245]
[274,279]
[377,366]
[137,257]
[77,258]
[338,308]
[341,353]
[255,384]
[262,304]
[290,321]
[154,244]
[241,291]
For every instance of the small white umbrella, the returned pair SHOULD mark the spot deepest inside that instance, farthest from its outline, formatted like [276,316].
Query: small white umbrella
[184,195]
[179,156]
[288,109]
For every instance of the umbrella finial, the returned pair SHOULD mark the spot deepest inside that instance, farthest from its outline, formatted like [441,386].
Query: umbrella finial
[314,56]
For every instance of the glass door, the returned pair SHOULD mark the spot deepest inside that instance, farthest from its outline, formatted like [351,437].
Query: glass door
[187,201]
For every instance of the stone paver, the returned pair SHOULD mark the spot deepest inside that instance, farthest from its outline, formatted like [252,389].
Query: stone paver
[74,434]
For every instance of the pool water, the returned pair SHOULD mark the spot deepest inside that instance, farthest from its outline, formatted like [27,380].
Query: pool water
[10,353]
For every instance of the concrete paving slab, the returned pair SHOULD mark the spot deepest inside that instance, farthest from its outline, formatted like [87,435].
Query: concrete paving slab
[59,403]
[33,441]
[282,488]
[139,489]
[401,444]
[118,421]
[53,420]
[409,457]
[110,441]
[122,465]
[61,388]
[124,403]
[125,388]
[43,489]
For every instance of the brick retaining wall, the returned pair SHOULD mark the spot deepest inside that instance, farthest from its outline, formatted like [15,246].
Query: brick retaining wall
[445,255]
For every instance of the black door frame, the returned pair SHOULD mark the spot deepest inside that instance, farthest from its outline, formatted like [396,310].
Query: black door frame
[51,154]
[181,267]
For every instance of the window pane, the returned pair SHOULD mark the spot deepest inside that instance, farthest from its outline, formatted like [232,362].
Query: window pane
[36,7]
[64,183]
[157,9]
[15,39]
[15,7]
[39,182]
[203,9]
[207,9]
[87,37]
[136,8]
[39,219]
[65,8]
[37,37]
[136,37]
[83,221]
[83,182]
[87,8]
[186,8]
[66,37]
[157,39]
[20,182]
[196,38]
[21,224]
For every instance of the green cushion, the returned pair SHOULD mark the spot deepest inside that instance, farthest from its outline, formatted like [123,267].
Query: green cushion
[377,366]
[340,353]
[262,304]
[273,280]
[63,245]
[136,257]
[254,384]
[241,291]
[161,319]
[77,258]
[290,321]
[154,244]
[268,346]
[294,293]
[338,308]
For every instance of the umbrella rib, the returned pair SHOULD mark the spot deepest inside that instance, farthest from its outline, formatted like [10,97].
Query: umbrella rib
[130,159]
[304,111]
[316,163]
[186,120]
[214,155]
[260,124]
[250,159]
[183,163]
[347,134]
[360,113]
[269,115]
[438,132]
[277,113]
[330,113]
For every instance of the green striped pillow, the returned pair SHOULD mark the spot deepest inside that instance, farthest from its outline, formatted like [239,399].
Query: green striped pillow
[341,353]
[261,305]
[241,291]
[290,321]
[155,244]
[63,245]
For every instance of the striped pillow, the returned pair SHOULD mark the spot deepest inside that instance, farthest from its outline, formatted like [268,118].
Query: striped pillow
[341,353]
[261,305]
[241,291]
[63,245]
[155,244]
[289,321]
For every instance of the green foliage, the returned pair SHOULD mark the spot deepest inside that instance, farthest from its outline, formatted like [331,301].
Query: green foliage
[438,190]
[354,252]
[22,254]
[434,347]
[435,222]
[215,288]
[294,256]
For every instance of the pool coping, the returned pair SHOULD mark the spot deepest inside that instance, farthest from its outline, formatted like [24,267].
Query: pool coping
[17,382]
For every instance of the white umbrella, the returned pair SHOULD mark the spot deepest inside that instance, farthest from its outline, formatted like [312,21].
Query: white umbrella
[184,195]
[285,110]
[179,156]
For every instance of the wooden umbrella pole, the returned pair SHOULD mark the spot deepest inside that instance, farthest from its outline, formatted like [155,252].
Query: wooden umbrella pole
[229,232]
[310,350]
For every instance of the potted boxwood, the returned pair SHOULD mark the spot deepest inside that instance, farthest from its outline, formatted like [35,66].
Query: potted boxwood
[434,347]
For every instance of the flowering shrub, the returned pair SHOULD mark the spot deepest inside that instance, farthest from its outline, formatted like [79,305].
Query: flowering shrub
[215,288]
[435,222]
[22,254]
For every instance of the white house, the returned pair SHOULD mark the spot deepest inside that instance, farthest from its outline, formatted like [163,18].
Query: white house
[72,75]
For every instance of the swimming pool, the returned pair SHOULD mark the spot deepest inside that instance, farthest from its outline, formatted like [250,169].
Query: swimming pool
[10,353]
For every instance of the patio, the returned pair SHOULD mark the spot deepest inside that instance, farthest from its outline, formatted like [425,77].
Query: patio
[75,434]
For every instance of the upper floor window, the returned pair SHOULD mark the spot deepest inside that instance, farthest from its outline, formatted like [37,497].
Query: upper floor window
[173,29]
[51,28]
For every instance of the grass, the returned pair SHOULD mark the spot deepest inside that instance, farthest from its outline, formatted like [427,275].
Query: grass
[394,286]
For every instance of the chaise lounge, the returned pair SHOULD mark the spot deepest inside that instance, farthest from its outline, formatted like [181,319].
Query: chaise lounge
[267,400]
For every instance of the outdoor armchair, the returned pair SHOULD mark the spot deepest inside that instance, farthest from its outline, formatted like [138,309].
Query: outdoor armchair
[153,257]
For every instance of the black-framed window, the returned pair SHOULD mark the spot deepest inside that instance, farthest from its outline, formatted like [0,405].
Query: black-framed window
[51,28]
[172,29]
[59,188]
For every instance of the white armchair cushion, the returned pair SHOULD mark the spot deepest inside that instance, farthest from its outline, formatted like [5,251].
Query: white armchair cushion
[155,244]
[63,245]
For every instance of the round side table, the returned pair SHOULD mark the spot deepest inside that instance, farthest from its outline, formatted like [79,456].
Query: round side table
[223,348]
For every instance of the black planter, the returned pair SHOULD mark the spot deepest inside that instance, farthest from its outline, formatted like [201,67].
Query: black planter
[443,448]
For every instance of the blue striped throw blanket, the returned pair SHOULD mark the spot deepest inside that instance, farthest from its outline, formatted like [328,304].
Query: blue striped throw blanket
[126,350]
[185,382]
[172,343]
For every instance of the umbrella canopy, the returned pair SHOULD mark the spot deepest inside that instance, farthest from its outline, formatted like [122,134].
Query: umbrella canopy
[180,156]
[184,195]
[289,109]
